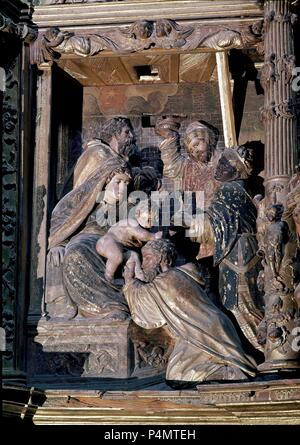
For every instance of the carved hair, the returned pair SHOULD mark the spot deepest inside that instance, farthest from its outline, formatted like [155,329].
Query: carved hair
[123,169]
[241,158]
[165,248]
[114,126]
[202,129]
[146,178]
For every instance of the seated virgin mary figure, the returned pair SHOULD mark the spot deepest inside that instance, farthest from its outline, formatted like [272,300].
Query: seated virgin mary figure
[76,282]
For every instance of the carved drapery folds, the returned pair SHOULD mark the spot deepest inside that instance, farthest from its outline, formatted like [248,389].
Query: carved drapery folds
[143,35]
[279,240]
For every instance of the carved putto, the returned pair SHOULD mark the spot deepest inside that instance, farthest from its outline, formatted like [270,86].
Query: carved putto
[142,35]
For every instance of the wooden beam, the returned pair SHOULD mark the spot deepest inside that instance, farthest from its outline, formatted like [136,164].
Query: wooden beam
[226,99]
[41,189]
[72,15]
[174,68]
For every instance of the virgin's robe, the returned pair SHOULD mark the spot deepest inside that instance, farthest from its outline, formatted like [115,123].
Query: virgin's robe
[80,280]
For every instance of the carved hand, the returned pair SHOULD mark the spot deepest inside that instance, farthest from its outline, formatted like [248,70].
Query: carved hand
[167,127]
[129,269]
[56,256]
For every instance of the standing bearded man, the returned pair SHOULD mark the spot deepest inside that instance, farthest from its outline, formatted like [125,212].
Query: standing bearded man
[119,142]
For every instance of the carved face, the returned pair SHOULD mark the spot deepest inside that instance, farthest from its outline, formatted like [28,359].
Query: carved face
[151,263]
[163,28]
[126,135]
[199,149]
[225,171]
[146,217]
[116,188]
[143,29]
[126,141]
[296,215]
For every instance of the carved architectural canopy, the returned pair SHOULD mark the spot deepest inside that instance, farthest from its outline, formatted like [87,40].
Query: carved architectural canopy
[142,35]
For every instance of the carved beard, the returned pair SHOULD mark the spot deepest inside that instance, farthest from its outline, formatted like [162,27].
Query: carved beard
[150,275]
[225,171]
[127,149]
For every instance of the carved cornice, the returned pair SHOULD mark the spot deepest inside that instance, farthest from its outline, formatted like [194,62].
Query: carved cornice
[21,30]
[95,15]
[143,35]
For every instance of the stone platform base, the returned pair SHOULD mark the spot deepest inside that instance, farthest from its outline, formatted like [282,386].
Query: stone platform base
[273,403]
[262,403]
[85,347]
[91,353]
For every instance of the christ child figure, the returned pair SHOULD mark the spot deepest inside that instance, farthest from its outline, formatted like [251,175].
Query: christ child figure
[126,234]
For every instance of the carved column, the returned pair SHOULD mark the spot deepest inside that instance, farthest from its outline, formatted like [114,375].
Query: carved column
[280,160]
[16,32]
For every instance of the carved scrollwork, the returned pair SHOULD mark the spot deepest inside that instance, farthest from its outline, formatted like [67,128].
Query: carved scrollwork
[100,362]
[142,35]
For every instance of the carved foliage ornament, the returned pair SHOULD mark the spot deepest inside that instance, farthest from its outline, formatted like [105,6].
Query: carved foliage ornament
[271,16]
[286,110]
[142,35]
[276,68]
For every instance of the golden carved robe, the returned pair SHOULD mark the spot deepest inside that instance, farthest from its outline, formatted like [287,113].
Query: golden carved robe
[205,338]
